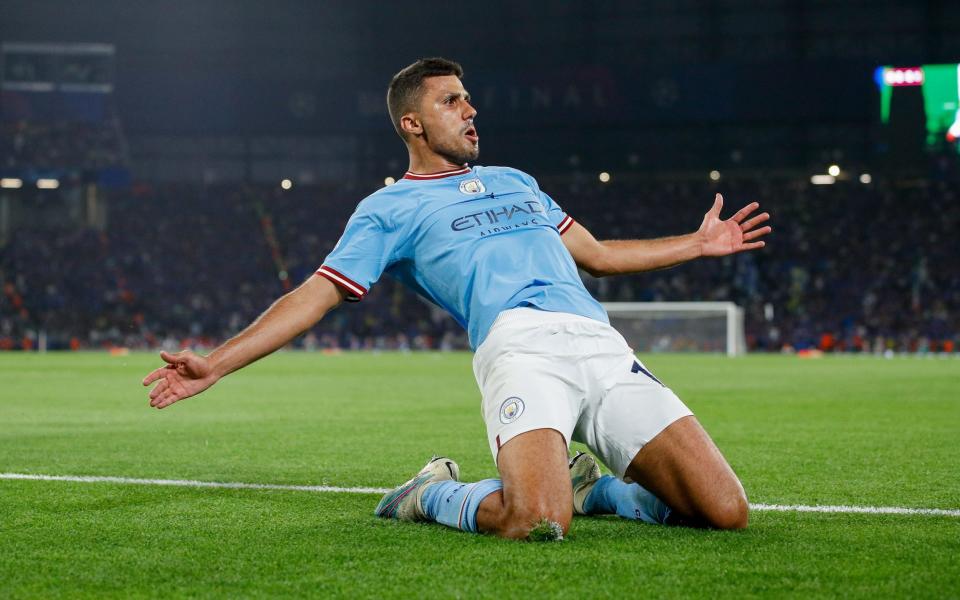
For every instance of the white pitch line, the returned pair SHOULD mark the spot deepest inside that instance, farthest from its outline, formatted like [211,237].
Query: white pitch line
[195,484]
[868,510]
[872,510]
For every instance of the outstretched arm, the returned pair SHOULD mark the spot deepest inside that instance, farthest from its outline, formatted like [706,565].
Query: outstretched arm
[187,374]
[714,238]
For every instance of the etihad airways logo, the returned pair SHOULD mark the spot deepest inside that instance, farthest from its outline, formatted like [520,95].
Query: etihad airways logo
[527,209]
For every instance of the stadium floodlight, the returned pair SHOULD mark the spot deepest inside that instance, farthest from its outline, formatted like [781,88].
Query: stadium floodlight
[834,170]
[823,180]
[714,175]
[604,177]
[389,181]
[680,326]
[47,184]
[286,184]
[11,183]
[865,178]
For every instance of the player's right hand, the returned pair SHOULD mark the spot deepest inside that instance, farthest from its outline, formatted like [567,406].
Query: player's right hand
[185,374]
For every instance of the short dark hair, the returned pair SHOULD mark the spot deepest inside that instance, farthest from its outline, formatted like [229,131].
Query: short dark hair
[406,87]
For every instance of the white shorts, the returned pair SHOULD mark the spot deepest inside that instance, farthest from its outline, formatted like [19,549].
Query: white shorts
[549,370]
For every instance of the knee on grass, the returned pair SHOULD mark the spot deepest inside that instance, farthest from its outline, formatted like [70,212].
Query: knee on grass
[732,512]
[537,523]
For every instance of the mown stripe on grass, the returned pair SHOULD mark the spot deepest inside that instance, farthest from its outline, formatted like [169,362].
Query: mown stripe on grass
[844,509]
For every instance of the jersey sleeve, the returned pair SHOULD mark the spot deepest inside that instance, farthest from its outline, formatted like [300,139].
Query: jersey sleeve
[366,248]
[560,219]
[557,216]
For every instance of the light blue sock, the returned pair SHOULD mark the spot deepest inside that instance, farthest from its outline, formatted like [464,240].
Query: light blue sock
[455,504]
[612,496]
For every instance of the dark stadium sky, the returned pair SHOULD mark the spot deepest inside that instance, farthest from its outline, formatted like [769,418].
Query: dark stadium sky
[610,74]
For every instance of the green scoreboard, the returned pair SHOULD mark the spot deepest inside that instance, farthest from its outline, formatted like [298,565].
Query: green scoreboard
[939,86]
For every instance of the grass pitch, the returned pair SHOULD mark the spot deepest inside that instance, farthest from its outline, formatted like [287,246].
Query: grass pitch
[842,430]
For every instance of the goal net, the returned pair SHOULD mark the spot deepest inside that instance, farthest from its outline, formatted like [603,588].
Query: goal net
[680,326]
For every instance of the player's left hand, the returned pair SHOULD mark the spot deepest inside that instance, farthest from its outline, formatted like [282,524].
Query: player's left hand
[736,234]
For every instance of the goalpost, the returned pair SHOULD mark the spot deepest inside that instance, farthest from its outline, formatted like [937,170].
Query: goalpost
[680,326]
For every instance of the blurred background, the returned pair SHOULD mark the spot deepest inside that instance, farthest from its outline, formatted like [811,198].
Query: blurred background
[167,169]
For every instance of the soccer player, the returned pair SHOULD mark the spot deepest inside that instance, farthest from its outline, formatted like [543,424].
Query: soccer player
[487,245]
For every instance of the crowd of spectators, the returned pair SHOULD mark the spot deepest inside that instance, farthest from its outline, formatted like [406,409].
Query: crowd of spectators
[849,267]
[63,145]
[191,265]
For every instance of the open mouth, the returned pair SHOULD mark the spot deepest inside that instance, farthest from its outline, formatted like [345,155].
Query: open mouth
[471,135]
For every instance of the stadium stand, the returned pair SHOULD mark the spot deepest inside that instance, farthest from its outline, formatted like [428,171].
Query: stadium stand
[60,145]
[851,267]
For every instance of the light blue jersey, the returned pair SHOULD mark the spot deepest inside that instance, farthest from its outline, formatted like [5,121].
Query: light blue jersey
[475,241]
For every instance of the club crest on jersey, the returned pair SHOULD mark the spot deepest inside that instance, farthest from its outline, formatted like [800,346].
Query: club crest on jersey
[472,186]
[510,410]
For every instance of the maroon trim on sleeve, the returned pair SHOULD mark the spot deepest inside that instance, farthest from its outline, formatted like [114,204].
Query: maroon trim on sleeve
[356,291]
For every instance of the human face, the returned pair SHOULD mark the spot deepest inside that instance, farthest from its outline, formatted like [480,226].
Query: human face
[446,116]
